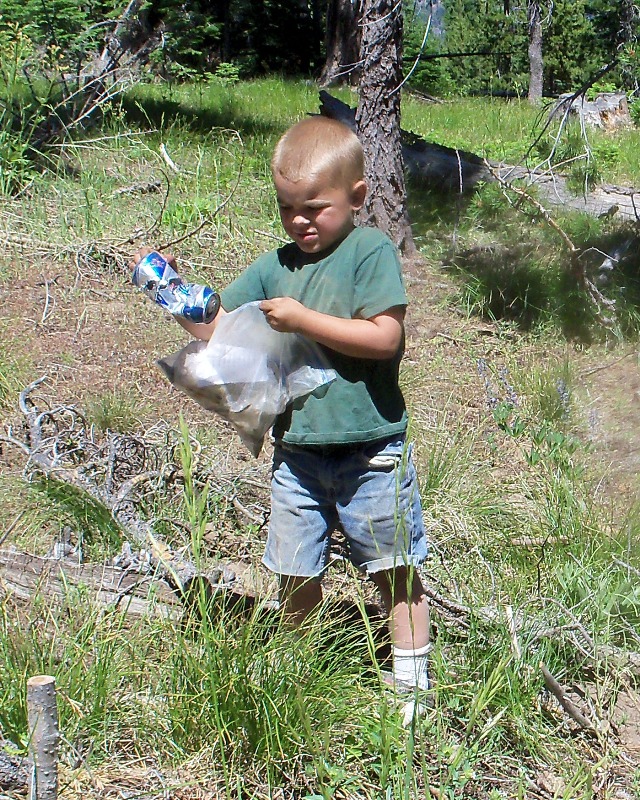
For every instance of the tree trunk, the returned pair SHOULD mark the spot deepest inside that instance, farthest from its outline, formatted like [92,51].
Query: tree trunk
[378,121]
[628,21]
[43,736]
[118,41]
[535,53]
[342,43]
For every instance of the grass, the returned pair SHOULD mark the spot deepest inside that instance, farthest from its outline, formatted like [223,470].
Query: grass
[114,410]
[520,505]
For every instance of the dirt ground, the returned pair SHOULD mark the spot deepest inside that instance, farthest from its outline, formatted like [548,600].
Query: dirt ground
[86,328]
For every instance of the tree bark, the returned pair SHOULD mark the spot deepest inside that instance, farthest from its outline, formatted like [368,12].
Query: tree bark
[342,43]
[44,736]
[378,122]
[535,52]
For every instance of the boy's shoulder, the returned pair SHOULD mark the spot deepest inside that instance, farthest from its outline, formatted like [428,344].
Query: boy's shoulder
[366,237]
[359,245]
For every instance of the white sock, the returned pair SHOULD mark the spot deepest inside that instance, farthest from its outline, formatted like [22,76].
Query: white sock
[412,666]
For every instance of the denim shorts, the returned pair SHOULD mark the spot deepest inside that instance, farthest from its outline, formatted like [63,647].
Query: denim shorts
[369,492]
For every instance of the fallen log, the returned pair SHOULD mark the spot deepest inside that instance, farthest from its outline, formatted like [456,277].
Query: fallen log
[438,168]
[25,576]
[137,591]
[441,168]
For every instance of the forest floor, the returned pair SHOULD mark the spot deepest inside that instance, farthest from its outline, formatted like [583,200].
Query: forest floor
[94,335]
[557,540]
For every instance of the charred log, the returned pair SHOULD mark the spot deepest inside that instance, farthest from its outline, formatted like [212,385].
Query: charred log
[437,167]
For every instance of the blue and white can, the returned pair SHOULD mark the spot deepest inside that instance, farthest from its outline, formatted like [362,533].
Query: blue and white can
[159,281]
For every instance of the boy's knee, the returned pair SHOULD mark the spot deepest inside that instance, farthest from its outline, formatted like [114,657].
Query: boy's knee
[398,584]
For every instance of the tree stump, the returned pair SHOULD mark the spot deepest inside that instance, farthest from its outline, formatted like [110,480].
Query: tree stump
[608,110]
[44,737]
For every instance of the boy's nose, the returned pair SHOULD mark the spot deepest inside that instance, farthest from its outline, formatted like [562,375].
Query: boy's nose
[300,219]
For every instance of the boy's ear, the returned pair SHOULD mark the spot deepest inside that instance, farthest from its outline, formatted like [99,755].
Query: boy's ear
[358,195]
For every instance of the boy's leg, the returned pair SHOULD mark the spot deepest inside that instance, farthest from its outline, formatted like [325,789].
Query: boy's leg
[381,515]
[406,603]
[299,597]
[301,518]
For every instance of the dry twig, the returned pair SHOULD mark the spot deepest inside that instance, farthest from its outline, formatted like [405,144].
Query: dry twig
[576,268]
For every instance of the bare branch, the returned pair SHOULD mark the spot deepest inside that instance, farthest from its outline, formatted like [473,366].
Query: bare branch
[576,269]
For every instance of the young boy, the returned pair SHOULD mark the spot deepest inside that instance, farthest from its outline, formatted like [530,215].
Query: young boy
[340,457]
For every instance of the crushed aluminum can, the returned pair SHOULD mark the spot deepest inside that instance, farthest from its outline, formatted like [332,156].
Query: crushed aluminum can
[157,279]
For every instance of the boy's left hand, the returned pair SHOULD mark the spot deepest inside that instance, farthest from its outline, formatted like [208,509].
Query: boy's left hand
[283,314]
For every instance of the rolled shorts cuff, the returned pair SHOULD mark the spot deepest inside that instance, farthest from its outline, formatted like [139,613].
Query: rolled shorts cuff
[384,564]
[286,572]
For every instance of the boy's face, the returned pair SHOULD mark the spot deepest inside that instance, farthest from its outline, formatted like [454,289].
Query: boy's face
[315,214]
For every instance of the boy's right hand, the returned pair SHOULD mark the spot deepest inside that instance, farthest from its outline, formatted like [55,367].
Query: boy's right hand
[144,251]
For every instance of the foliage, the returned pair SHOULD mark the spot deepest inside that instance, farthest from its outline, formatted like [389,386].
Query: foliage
[40,102]
[192,33]
[227,73]
[573,46]
[55,23]
[226,698]
[269,36]
[18,114]
[427,73]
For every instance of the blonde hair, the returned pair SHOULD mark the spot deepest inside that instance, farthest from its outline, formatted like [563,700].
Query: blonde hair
[319,147]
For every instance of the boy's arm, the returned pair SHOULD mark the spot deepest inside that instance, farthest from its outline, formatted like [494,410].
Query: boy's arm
[201,330]
[377,337]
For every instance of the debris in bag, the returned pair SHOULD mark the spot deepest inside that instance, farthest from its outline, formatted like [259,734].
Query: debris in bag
[247,372]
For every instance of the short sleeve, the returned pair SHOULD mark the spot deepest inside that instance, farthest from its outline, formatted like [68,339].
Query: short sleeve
[378,282]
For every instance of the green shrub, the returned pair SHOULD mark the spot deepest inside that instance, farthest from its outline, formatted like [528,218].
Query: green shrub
[227,74]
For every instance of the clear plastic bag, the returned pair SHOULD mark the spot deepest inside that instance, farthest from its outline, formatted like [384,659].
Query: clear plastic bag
[247,372]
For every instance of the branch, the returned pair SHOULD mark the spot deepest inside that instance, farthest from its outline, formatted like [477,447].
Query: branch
[568,705]
[44,736]
[118,472]
[49,453]
[577,270]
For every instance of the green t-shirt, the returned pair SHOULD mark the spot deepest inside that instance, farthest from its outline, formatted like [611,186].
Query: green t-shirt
[359,278]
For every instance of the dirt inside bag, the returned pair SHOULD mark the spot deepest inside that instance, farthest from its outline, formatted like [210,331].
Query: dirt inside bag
[247,372]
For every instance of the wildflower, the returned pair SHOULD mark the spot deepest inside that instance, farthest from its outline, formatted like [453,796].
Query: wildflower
[484,373]
[510,397]
[564,397]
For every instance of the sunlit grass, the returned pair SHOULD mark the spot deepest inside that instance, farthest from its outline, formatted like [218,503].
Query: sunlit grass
[511,494]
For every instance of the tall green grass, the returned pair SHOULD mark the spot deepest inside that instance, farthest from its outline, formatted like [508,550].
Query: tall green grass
[245,698]
[510,493]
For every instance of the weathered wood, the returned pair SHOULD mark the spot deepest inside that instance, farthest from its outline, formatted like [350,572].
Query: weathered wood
[14,770]
[136,591]
[44,736]
[24,576]
[607,110]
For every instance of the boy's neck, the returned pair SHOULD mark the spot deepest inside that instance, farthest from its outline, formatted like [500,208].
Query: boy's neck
[330,249]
